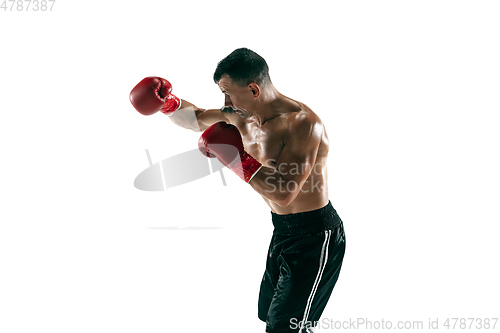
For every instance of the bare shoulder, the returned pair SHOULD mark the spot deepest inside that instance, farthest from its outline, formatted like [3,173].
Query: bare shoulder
[304,123]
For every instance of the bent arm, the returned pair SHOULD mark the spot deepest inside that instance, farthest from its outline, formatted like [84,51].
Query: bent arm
[283,184]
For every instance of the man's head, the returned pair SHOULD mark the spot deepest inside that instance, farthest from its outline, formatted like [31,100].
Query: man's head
[243,66]
[242,76]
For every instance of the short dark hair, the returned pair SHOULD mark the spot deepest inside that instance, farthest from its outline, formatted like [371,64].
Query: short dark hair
[243,66]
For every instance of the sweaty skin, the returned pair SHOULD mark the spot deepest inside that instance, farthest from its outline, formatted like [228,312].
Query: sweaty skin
[285,135]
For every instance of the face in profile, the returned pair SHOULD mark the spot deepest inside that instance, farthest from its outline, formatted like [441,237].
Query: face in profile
[237,99]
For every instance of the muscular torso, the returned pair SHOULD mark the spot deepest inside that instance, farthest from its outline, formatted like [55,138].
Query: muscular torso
[266,142]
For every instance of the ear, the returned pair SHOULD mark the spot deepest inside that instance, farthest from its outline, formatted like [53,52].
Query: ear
[255,89]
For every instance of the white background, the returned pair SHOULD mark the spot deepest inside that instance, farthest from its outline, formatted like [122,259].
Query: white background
[409,94]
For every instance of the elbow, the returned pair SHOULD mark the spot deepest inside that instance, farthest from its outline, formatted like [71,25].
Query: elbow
[285,199]
[283,203]
[286,194]
[274,188]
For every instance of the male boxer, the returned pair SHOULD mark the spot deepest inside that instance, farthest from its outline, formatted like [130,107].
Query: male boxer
[279,146]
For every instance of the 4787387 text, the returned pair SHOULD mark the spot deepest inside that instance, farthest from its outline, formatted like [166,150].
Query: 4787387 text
[27,5]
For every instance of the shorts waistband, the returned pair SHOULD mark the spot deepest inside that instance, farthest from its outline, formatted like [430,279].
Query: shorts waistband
[307,222]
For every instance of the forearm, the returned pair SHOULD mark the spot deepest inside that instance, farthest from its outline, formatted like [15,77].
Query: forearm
[186,116]
[272,185]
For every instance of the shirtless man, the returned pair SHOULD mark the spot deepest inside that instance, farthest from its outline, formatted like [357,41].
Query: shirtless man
[280,147]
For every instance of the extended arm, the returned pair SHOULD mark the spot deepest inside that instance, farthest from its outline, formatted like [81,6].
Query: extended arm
[191,117]
[154,94]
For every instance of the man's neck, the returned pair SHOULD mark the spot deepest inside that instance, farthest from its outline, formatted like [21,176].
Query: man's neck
[270,105]
[273,107]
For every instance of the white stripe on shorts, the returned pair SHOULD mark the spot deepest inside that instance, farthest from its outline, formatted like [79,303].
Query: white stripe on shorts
[323,258]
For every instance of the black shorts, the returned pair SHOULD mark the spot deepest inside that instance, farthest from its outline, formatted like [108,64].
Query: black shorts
[303,265]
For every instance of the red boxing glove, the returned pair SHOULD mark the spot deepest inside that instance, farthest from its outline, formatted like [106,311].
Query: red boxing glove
[153,94]
[223,141]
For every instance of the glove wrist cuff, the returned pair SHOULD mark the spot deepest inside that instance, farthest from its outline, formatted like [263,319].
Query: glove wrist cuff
[246,167]
[172,104]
